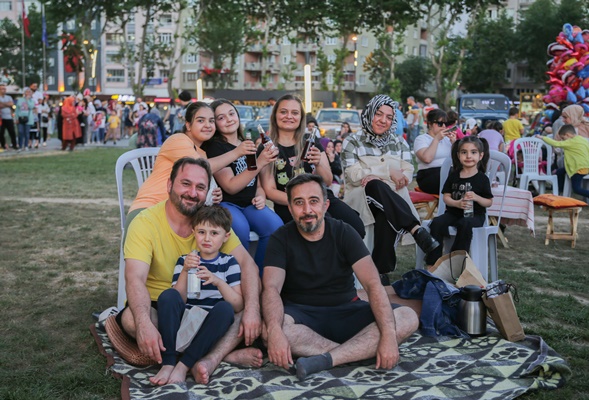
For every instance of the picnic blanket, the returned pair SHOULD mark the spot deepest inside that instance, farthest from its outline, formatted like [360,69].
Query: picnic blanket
[441,368]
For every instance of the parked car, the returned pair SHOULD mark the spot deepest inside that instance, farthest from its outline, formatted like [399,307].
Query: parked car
[483,107]
[246,113]
[330,120]
[263,118]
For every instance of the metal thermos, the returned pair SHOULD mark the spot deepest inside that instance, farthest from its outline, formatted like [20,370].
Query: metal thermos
[472,313]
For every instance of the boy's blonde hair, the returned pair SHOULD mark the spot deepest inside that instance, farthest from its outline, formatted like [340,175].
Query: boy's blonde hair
[567,128]
[214,215]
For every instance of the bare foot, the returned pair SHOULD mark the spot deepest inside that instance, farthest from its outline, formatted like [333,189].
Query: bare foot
[202,371]
[248,357]
[162,376]
[178,375]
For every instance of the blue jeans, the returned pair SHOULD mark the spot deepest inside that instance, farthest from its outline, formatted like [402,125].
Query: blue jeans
[23,135]
[576,182]
[264,222]
[412,133]
[439,312]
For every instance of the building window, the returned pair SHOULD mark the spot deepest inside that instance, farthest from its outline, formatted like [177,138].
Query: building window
[165,38]
[423,34]
[5,5]
[190,76]
[405,50]
[415,33]
[114,39]
[508,73]
[330,79]
[50,80]
[70,80]
[331,41]
[285,40]
[115,75]
[364,41]
[131,37]
[111,57]
[70,25]
[164,73]
[414,50]
[93,24]
[190,58]
[362,61]
[286,59]
[362,80]
[423,50]
[50,62]
[166,20]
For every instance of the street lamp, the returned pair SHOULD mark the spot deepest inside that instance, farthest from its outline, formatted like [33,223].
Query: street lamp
[307,81]
[199,92]
[355,40]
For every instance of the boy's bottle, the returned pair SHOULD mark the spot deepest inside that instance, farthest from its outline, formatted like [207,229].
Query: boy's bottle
[309,142]
[193,283]
[250,159]
[468,212]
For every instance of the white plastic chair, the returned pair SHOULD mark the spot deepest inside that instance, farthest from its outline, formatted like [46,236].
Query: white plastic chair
[142,161]
[483,248]
[531,149]
[568,187]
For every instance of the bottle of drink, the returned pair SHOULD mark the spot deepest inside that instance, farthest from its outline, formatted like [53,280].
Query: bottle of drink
[468,212]
[266,141]
[193,283]
[309,142]
[250,159]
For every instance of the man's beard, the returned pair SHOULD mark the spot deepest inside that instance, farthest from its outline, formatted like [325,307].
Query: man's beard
[309,227]
[183,208]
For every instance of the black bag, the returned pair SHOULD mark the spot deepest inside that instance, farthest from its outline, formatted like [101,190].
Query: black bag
[44,118]
[23,120]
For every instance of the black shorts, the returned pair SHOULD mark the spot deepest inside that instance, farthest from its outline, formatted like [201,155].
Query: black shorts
[336,323]
[119,316]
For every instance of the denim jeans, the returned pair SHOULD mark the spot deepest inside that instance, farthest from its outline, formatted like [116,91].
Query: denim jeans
[439,312]
[264,222]
[23,135]
[576,182]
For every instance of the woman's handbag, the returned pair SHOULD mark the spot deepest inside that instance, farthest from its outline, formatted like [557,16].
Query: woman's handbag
[23,120]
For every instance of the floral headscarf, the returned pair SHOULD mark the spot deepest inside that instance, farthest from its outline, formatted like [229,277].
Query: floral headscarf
[575,115]
[368,115]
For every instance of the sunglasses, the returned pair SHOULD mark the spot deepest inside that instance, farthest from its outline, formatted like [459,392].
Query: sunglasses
[440,123]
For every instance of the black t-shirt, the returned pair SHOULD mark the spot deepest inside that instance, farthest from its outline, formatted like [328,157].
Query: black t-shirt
[455,186]
[244,197]
[317,273]
[285,165]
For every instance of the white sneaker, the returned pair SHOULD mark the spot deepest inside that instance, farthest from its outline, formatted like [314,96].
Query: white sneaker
[107,313]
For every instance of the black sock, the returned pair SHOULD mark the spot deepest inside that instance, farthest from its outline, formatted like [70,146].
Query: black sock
[310,365]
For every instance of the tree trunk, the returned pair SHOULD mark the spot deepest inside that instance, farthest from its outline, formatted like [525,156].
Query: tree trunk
[138,89]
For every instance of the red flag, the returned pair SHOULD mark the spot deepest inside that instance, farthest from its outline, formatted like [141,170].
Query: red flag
[25,20]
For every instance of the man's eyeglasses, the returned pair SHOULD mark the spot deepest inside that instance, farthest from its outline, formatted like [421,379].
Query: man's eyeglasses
[440,123]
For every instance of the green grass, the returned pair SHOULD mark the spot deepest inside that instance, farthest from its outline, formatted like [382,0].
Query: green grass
[59,262]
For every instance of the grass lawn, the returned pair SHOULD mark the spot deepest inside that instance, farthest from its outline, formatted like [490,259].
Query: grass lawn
[59,261]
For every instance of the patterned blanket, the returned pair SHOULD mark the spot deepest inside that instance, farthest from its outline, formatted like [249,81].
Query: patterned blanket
[430,368]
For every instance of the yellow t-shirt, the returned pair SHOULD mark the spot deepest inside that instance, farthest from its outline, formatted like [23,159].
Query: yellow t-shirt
[114,121]
[512,129]
[155,188]
[151,239]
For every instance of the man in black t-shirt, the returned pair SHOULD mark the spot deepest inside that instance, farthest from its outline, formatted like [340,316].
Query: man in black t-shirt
[309,302]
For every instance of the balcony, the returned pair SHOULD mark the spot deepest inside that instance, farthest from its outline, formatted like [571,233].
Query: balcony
[255,48]
[301,85]
[349,67]
[252,66]
[252,85]
[274,68]
[348,85]
[307,47]
[274,48]
[351,46]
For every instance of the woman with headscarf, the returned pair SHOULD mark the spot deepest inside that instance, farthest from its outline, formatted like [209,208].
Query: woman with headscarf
[573,115]
[377,172]
[70,126]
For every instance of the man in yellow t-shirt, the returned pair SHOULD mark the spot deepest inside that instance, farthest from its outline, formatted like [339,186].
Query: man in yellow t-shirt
[155,240]
[512,128]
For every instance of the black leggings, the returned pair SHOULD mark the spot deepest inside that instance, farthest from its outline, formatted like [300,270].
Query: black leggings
[392,216]
[337,210]
[8,125]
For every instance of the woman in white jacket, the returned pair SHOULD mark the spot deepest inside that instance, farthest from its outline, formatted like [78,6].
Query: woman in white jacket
[377,175]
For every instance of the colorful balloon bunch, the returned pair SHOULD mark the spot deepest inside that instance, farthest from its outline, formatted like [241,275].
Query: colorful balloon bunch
[568,69]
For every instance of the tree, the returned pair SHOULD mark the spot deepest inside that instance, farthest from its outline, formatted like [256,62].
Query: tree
[413,75]
[85,13]
[489,50]
[381,63]
[539,26]
[223,34]
[11,47]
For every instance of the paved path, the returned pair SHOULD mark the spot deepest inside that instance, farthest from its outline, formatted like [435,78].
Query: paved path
[54,145]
